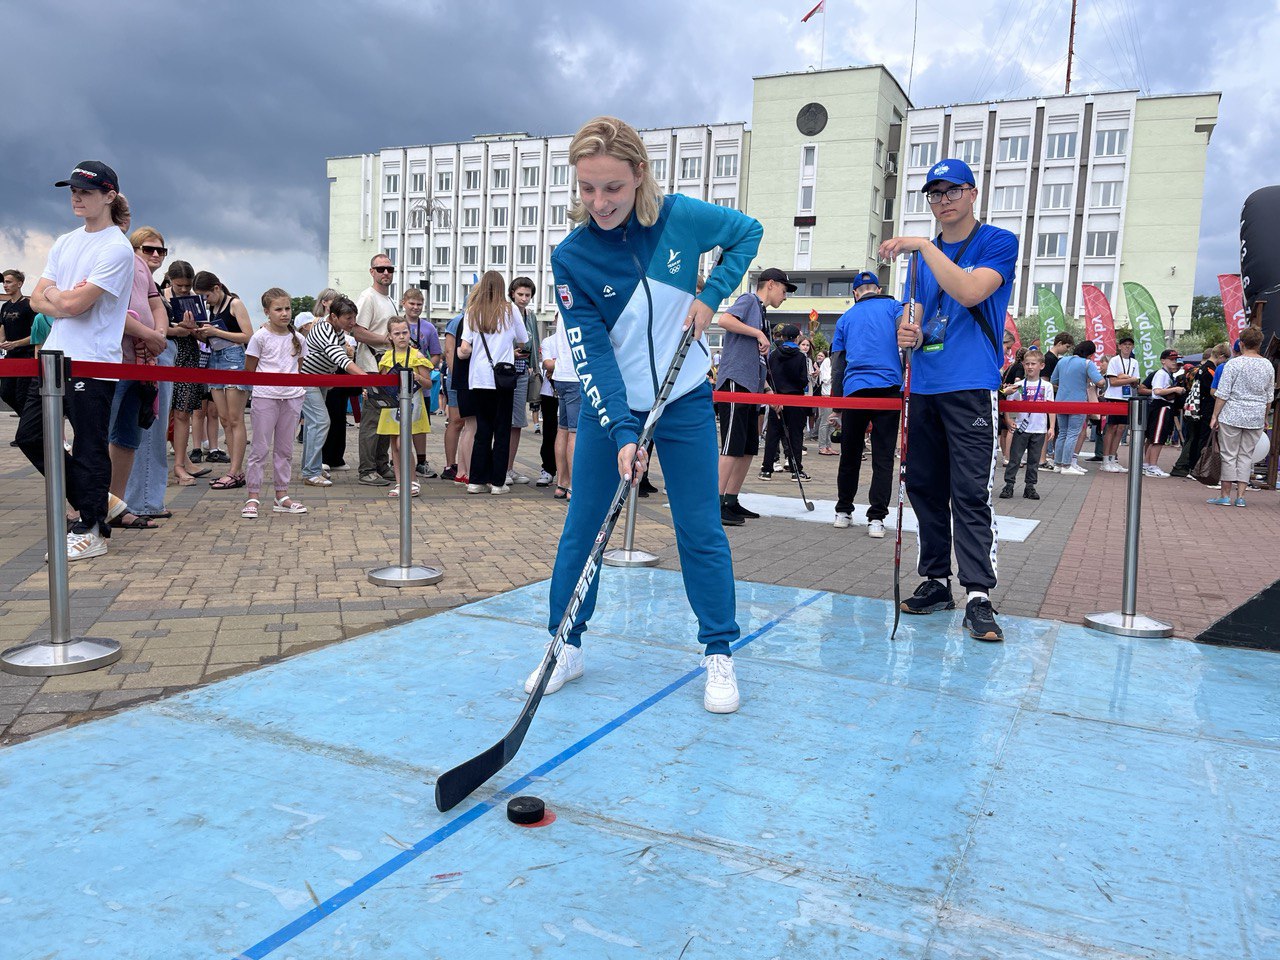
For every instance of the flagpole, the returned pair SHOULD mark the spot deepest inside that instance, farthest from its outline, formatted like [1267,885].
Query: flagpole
[822,57]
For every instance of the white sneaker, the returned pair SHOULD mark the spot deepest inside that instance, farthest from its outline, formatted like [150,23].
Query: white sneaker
[875,529]
[85,546]
[477,488]
[1153,471]
[1075,470]
[568,667]
[513,477]
[843,520]
[498,491]
[1120,467]
[1108,467]
[721,693]
[544,479]
[1049,467]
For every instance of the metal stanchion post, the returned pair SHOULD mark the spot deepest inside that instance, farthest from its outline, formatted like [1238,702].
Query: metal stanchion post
[406,573]
[61,654]
[628,556]
[1126,621]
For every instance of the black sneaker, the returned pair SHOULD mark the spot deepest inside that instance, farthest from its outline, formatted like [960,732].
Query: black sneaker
[729,518]
[742,511]
[217,456]
[980,621]
[930,597]
[800,477]
[1030,493]
[449,472]
[1007,492]
[766,475]
[196,456]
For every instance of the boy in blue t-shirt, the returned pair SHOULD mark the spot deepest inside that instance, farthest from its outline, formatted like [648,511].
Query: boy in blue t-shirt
[963,289]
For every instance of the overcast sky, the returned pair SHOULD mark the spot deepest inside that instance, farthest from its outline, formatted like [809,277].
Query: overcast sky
[218,116]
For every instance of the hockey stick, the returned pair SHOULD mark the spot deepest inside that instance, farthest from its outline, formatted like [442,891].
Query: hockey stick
[908,316]
[792,452]
[457,784]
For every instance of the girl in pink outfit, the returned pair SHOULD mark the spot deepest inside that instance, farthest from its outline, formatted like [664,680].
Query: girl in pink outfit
[276,347]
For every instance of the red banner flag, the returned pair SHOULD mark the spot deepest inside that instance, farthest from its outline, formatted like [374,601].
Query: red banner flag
[1098,320]
[817,9]
[1011,328]
[1232,304]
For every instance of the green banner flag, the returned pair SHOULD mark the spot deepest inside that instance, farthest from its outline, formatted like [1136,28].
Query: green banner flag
[1148,332]
[1052,320]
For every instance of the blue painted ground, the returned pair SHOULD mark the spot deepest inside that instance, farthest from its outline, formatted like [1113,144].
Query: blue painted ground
[1063,795]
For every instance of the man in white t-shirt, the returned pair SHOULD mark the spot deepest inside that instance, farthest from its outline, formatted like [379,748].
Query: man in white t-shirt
[85,291]
[374,311]
[1122,383]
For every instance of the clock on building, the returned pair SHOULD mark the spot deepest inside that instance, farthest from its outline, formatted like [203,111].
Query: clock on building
[812,119]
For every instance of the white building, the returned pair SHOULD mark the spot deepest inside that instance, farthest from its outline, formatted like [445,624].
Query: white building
[446,213]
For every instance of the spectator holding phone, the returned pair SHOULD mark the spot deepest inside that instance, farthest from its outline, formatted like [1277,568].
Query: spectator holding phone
[226,331]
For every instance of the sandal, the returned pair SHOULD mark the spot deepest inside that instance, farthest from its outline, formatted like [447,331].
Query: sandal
[250,511]
[413,491]
[561,493]
[229,481]
[286,505]
[184,481]
[137,523]
[202,472]
[162,515]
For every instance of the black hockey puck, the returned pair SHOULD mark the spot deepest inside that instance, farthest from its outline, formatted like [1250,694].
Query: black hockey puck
[525,810]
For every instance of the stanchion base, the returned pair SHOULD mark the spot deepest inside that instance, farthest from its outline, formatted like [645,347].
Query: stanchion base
[399,576]
[629,558]
[48,659]
[1121,625]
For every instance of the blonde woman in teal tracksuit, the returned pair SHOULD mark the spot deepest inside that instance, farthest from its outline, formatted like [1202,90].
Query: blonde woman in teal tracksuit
[626,279]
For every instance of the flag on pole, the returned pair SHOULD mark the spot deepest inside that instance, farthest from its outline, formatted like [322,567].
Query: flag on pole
[1099,321]
[1052,319]
[1011,329]
[1232,303]
[817,9]
[1144,317]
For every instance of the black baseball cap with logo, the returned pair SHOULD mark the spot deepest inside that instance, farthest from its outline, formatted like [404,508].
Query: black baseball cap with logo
[92,175]
[773,273]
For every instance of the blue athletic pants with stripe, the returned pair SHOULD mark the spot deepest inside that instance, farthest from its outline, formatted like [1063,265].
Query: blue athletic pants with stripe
[952,445]
[685,440]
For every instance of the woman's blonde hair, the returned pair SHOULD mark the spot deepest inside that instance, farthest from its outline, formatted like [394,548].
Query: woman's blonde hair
[609,136]
[146,235]
[487,305]
[320,310]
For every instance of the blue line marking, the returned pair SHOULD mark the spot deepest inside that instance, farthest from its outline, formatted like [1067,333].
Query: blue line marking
[340,899]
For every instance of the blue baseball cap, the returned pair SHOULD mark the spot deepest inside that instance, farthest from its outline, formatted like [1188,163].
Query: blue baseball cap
[950,171]
[864,278]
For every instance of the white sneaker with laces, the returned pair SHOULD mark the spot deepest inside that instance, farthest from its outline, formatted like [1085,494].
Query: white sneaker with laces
[513,477]
[875,529]
[843,521]
[721,692]
[499,491]
[1075,470]
[568,667]
[85,546]
[544,479]
[1108,467]
[477,488]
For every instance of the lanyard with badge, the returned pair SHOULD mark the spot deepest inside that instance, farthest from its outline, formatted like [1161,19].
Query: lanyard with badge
[935,329]
[1127,389]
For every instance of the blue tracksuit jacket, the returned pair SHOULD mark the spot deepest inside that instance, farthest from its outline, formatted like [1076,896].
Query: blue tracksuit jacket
[625,293]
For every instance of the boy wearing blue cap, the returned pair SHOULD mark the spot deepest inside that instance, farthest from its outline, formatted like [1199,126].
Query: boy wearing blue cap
[965,280]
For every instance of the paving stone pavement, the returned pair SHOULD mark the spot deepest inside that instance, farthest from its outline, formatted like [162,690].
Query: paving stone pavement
[210,595]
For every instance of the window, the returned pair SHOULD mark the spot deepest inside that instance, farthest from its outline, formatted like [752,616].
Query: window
[391,183]
[527,253]
[469,256]
[1013,148]
[390,219]
[471,216]
[922,154]
[559,215]
[690,168]
[875,200]
[815,289]
[500,178]
[808,160]
[916,203]
[415,256]
[444,219]
[1056,196]
[1111,143]
[1100,243]
[560,175]
[1060,146]
[442,293]
[659,168]
[528,176]
[879,151]
[391,255]
[1106,193]
[888,208]
[726,165]
[806,198]
[873,248]
[417,218]
[498,216]
[472,181]
[839,288]
[1007,198]
[417,183]
[466,293]
[528,216]
[1051,245]
[803,242]
[1054,288]
[442,256]
[444,181]
[498,254]
[970,151]
[724,202]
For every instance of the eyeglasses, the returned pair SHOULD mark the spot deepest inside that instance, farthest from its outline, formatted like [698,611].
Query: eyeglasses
[952,193]
[163,251]
[384,269]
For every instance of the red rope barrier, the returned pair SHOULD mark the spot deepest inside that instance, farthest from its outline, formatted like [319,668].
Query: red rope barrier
[151,374]
[1109,409]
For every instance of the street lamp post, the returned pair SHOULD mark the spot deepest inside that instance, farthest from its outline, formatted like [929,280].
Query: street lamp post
[1173,309]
